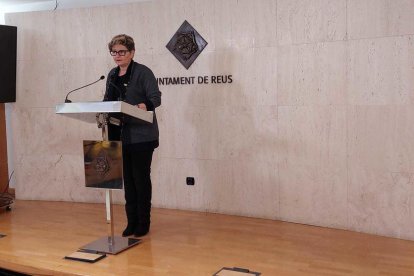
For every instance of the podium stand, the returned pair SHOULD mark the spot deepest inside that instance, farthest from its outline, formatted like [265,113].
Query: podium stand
[100,113]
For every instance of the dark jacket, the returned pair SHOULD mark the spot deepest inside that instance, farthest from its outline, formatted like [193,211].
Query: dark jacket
[142,88]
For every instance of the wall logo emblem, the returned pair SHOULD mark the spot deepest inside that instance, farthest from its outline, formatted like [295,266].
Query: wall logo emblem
[186,44]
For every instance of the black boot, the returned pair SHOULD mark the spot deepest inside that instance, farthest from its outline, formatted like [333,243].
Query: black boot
[129,230]
[141,229]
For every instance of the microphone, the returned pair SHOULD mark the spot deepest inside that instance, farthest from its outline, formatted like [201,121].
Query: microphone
[69,101]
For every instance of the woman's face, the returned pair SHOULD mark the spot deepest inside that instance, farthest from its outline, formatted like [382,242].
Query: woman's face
[121,55]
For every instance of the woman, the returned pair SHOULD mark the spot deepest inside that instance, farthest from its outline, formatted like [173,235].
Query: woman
[135,84]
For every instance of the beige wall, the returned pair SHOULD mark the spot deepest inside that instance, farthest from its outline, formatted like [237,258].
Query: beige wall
[315,128]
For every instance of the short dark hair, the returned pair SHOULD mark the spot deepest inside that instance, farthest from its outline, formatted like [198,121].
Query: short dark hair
[122,39]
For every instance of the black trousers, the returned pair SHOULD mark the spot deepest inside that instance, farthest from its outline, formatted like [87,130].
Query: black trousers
[137,185]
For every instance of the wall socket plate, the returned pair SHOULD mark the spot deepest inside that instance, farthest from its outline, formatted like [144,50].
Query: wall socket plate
[190,181]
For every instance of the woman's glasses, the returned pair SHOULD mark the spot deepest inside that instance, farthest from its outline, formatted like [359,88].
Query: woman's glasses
[120,52]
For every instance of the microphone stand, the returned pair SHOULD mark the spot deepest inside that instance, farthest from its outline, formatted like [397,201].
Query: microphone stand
[69,101]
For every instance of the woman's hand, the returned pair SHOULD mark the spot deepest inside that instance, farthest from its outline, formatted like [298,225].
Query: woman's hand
[142,106]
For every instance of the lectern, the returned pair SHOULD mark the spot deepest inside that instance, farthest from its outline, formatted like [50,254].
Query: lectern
[103,160]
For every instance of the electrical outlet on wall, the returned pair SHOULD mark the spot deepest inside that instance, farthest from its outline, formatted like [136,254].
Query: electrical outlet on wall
[190,181]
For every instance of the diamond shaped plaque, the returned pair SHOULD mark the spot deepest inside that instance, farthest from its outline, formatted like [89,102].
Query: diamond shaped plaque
[186,44]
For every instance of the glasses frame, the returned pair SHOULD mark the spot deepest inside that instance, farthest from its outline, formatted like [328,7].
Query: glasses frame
[120,53]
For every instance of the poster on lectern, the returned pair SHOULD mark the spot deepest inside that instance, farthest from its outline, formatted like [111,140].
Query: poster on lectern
[103,164]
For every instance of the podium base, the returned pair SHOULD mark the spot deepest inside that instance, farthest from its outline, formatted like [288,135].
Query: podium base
[110,246]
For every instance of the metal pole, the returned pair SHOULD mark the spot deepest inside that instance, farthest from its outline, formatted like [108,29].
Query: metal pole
[108,201]
[109,219]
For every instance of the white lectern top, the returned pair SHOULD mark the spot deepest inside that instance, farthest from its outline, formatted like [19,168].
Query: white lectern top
[105,107]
